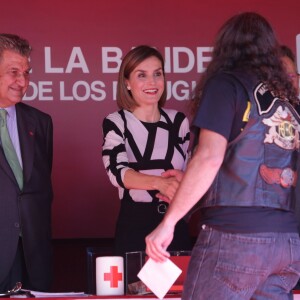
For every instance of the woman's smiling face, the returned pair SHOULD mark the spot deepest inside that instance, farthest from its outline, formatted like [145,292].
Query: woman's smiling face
[146,82]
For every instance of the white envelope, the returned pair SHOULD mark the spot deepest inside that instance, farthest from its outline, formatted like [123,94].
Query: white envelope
[159,277]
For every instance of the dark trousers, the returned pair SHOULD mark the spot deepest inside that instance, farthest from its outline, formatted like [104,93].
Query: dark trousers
[17,273]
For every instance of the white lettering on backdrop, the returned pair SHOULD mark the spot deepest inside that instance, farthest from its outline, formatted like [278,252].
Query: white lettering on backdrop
[59,81]
[182,63]
[56,82]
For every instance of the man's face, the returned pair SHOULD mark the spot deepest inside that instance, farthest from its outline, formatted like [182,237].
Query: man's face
[291,70]
[14,78]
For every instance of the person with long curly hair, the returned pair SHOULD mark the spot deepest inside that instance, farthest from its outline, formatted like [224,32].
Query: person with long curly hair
[243,170]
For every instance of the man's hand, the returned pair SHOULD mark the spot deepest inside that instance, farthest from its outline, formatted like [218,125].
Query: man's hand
[158,241]
[178,174]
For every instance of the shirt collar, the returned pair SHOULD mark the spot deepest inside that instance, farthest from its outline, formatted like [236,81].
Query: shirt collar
[11,111]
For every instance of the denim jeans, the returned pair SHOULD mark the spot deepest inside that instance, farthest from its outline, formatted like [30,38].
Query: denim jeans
[243,266]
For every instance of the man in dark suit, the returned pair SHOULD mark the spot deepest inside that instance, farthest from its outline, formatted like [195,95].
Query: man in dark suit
[25,199]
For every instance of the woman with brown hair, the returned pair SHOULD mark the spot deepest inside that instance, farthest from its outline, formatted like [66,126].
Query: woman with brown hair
[141,141]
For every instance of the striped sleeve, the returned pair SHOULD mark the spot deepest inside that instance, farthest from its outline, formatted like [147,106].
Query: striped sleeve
[114,154]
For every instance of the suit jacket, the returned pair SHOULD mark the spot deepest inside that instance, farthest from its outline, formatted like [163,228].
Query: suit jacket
[29,211]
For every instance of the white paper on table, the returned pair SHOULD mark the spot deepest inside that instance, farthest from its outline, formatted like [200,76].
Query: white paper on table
[159,277]
[38,294]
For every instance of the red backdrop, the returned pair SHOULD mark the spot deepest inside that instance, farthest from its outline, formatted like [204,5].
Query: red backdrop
[77,46]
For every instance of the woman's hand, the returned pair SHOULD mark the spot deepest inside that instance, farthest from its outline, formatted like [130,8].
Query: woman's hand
[174,178]
[167,184]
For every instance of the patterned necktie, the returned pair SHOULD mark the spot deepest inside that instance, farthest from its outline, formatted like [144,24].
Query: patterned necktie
[9,149]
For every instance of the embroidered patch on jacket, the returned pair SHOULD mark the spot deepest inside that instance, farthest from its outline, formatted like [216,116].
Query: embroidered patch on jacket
[284,129]
[285,177]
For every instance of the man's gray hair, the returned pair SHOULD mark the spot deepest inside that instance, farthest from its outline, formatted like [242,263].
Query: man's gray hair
[14,43]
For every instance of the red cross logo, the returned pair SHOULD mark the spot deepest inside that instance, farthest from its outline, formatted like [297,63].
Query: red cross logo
[113,276]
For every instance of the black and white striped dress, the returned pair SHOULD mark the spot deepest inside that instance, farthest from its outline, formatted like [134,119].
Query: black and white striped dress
[149,148]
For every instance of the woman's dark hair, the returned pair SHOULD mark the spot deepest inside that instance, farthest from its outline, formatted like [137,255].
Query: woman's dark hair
[131,60]
[247,42]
